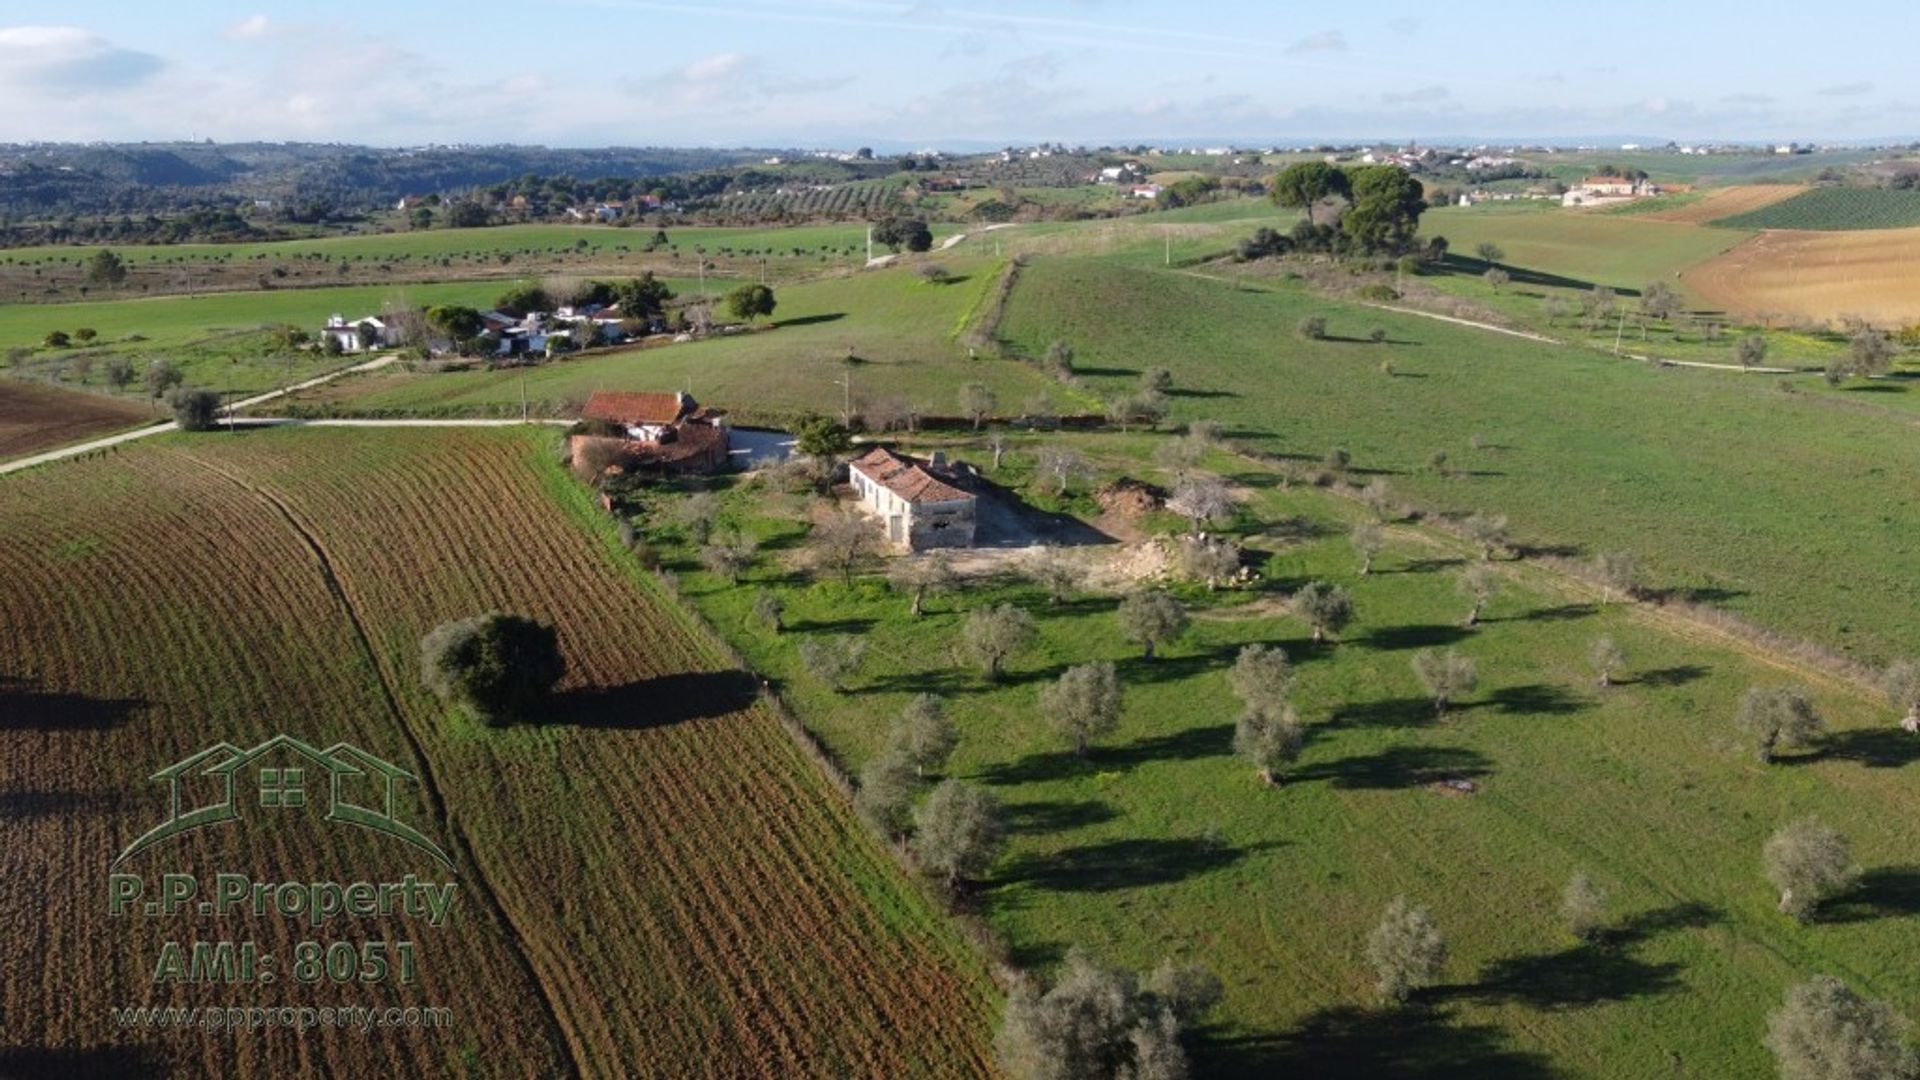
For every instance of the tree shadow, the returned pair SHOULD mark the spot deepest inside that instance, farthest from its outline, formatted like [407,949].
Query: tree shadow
[1107,372]
[1186,744]
[851,625]
[1422,636]
[1886,892]
[1678,675]
[665,699]
[1400,767]
[1542,699]
[25,707]
[1202,393]
[1521,276]
[1341,1042]
[1056,815]
[812,320]
[1424,566]
[1560,613]
[20,805]
[1402,712]
[1126,864]
[1876,748]
[129,1062]
[1586,974]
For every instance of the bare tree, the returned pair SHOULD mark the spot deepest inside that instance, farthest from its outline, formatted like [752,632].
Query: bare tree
[1478,583]
[1825,1031]
[1777,718]
[1497,278]
[1062,466]
[1180,456]
[696,514]
[1368,540]
[730,557]
[1379,499]
[992,635]
[920,575]
[1084,704]
[997,444]
[1406,950]
[1053,571]
[1201,499]
[1211,559]
[842,542]
[1606,658]
[1808,862]
[1446,676]
[1489,532]
[1901,681]
[1327,609]
[1151,618]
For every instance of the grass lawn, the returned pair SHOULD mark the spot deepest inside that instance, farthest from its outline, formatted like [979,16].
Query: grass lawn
[1162,843]
[905,331]
[1692,470]
[1603,249]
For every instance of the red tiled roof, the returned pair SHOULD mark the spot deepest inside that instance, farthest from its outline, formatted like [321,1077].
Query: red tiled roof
[637,407]
[905,477]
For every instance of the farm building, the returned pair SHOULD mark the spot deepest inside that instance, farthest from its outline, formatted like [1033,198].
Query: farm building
[655,431]
[1602,190]
[357,336]
[917,502]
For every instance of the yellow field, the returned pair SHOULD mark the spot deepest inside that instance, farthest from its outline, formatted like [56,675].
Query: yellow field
[1726,202]
[1791,275]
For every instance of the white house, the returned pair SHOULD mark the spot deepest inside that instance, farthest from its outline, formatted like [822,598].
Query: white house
[915,501]
[359,335]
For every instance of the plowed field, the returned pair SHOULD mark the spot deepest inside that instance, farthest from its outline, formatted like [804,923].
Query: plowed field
[1873,274]
[34,417]
[1726,202]
[654,882]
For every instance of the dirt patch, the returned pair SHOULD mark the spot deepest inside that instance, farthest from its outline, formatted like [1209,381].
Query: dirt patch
[1130,498]
[34,417]
[1726,202]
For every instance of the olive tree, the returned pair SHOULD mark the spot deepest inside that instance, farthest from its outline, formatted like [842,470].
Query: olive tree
[1446,676]
[497,667]
[1901,681]
[1097,1022]
[1825,1031]
[1201,499]
[1269,738]
[959,831]
[1368,539]
[696,514]
[1478,583]
[769,610]
[730,557]
[1327,609]
[1489,532]
[1084,703]
[1151,618]
[842,542]
[1775,718]
[833,660]
[1583,904]
[1062,467]
[924,734]
[1606,657]
[884,799]
[194,410]
[1751,350]
[1406,950]
[1807,862]
[1054,572]
[1619,574]
[977,401]
[993,634]
[921,575]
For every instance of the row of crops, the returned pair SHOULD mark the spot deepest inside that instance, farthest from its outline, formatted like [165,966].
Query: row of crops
[1834,209]
[841,201]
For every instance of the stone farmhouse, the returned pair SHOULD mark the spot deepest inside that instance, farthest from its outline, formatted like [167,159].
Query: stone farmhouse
[655,432]
[918,503]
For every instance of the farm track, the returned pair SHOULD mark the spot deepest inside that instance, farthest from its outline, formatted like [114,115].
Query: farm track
[422,764]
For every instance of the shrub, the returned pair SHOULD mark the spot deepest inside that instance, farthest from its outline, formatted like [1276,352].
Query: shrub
[495,666]
[1313,328]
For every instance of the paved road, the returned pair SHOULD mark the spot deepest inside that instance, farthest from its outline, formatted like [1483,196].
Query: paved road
[140,433]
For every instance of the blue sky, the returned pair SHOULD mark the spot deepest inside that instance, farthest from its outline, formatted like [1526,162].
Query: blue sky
[891,74]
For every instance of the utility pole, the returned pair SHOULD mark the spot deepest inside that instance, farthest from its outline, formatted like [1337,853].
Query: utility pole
[523,396]
[869,243]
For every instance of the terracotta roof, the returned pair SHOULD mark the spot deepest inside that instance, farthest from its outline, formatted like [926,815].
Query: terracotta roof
[627,407]
[905,477]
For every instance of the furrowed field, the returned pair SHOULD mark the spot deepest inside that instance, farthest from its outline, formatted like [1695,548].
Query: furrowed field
[1163,843]
[1868,273]
[37,417]
[1691,470]
[656,881]
[1834,208]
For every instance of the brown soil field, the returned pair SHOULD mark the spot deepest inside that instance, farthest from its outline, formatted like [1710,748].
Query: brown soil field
[655,881]
[1726,202]
[34,416]
[1820,276]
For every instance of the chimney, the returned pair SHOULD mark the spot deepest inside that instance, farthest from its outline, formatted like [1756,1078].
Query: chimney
[939,459]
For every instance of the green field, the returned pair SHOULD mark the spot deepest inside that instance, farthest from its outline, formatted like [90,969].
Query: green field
[1835,209]
[905,332]
[1161,842]
[1686,468]
[1598,249]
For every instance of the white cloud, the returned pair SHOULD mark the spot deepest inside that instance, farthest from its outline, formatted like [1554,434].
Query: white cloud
[1852,89]
[251,28]
[1324,41]
[68,59]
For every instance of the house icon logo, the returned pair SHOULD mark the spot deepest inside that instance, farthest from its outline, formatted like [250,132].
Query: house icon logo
[281,770]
